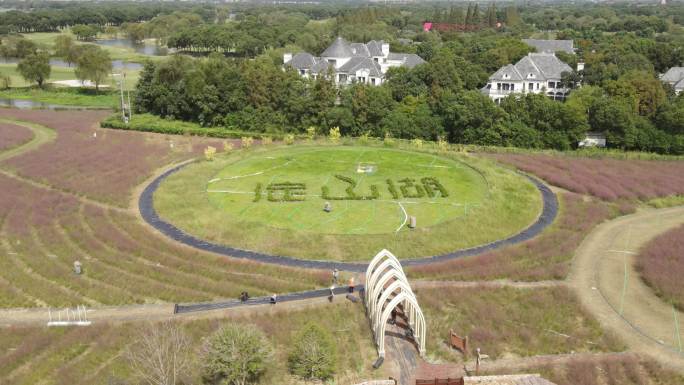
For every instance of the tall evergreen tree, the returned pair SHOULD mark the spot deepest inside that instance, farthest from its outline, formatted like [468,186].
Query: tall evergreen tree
[475,17]
[469,14]
[491,16]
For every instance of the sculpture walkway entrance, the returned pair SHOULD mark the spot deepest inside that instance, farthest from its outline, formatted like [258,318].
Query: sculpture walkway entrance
[389,298]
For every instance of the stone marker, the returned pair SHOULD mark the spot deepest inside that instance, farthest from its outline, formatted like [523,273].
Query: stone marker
[77,267]
[412,222]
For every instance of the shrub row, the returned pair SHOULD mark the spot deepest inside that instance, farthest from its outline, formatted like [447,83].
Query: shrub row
[151,123]
[351,195]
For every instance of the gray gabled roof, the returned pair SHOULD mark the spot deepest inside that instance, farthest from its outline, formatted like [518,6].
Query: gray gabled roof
[509,70]
[410,59]
[302,61]
[673,75]
[375,47]
[358,63]
[360,49]
[321,66]
[549,65]
[551,46]
[339,48]
[527,67]
[679,86]
[542,65]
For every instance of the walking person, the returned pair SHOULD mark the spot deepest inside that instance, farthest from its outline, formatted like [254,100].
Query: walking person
[335,275]
[274,299]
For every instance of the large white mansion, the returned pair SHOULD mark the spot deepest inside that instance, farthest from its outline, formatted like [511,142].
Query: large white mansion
[538,73]
[352,62]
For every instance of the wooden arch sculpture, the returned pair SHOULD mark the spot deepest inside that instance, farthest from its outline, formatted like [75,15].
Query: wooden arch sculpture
[386,288]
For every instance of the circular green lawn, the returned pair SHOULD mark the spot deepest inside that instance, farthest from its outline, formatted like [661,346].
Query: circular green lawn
[272,200]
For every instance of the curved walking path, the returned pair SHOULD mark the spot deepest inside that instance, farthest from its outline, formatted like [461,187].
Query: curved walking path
[41,135]
[608,285]
[149,215]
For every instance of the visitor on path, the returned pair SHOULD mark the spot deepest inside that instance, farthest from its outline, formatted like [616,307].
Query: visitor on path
[274,299]
[244,296]
[351,284]
[393,317]
[332,293]
[335,275]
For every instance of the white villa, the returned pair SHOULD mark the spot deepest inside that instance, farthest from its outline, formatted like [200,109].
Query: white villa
[352,62]
[675,77]
[538,73]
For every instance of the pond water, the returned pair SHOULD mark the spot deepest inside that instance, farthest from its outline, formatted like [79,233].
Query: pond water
[24,104]
[150,49]
[116,64]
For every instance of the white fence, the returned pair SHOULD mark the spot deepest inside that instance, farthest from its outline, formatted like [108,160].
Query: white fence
[69,317]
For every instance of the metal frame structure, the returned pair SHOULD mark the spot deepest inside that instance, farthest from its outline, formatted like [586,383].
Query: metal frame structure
[386,288]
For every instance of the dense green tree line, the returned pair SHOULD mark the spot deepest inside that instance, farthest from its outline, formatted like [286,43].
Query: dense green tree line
[49,17]
[428,102]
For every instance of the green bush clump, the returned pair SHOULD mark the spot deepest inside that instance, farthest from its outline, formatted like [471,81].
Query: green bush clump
[313,355]
[351,195]
[392,189]
[257,193]
[408,183]
[292,192]
[431,185]
[152,123]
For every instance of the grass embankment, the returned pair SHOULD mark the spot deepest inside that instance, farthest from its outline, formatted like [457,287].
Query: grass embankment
[661,264]
[484,203]
[511,322]
[95,355]
[64,96]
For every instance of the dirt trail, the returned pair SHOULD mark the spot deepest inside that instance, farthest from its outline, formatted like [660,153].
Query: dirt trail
[604,277]
[41,135]
[153,312]
[498,284]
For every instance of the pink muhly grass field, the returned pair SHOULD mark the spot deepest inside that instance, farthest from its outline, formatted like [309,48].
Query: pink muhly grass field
[661,264]
[545,257]
[106,166]
[608,179]
[12,136]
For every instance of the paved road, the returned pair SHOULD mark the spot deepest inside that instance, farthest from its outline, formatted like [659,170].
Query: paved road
[149,215]
[604,277]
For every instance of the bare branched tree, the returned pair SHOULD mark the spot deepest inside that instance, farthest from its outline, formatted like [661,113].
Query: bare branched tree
[160,354]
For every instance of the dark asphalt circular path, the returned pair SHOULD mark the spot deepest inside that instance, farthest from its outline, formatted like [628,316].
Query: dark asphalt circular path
[148,213]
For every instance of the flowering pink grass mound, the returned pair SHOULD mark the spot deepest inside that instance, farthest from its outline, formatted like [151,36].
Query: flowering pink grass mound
[45,227]
[545,257]
[102,164]
[661,264]
[12,136]
[45,231]
[608,179]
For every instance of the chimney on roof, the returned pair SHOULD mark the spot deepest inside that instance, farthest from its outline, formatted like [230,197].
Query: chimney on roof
[385,49]
[287,57]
